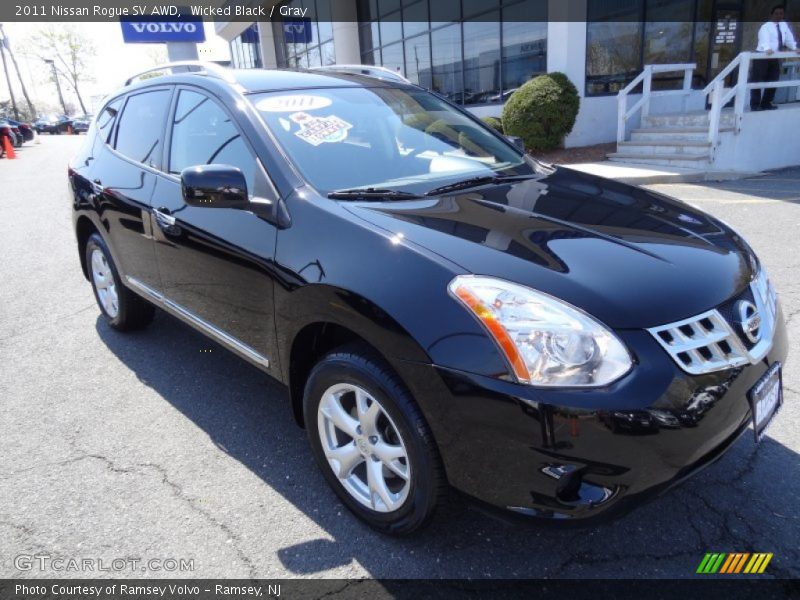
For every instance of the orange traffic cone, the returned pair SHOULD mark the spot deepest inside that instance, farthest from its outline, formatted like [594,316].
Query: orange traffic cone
[8,147]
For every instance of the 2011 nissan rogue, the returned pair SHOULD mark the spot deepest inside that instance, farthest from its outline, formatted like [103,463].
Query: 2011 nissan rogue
[445,310]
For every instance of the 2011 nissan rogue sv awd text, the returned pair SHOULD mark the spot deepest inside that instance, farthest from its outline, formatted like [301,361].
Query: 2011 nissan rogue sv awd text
[445,310]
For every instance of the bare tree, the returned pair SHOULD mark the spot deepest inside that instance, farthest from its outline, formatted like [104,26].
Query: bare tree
[7,47]
[71,52]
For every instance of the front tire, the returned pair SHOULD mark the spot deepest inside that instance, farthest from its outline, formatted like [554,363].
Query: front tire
[121,308]
[371,442]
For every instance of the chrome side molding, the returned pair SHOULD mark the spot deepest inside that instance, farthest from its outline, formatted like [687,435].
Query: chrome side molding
[202,325]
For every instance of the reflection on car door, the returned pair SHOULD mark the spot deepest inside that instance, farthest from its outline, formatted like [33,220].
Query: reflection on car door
[215,263]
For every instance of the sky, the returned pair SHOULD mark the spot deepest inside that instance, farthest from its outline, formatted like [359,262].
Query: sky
[115,61]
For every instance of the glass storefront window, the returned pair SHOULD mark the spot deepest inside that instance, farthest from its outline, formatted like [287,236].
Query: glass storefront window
[393,57]
[446,62]
[391,29]
[415,18]
[470,61]
[613,44]
[319,49]
[482,59]
[524,46]
[418,60]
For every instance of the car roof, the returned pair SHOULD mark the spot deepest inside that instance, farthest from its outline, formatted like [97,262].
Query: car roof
[263,80]
[257,80]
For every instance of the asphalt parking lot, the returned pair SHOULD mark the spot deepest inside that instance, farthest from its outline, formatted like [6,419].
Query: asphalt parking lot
[162,445]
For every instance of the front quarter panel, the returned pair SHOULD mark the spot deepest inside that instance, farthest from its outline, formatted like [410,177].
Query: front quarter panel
[333,267]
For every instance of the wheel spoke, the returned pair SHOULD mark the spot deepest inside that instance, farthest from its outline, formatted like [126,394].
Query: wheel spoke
[334,411]
[347,458]
[377,485]
[368,412]
[390,456]
[97,264]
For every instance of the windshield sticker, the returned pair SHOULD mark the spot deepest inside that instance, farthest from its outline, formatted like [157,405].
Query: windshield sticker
[293,103]
[320,130]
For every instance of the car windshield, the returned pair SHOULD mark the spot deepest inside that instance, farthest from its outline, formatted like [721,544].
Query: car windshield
[384,138]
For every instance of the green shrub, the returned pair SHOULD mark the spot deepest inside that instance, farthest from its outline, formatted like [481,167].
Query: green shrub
[542,111]
[494,123]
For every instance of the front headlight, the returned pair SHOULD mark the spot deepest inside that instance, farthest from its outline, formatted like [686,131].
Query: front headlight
[546,341]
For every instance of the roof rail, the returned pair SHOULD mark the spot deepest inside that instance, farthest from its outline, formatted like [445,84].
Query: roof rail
[196,66]
[368,70]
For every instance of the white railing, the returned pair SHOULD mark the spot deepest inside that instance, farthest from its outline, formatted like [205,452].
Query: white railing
[718,95]
[715,93]
[646,79]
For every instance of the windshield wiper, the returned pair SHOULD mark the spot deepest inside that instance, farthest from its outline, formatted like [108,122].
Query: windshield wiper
[476,181]
[371,193]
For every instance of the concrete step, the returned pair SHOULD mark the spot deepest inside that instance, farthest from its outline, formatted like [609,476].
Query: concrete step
[688,119]
[691,161]
[694,134]
[664,147]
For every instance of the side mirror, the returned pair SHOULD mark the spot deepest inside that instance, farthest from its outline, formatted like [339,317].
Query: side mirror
[214,186]
[517,141]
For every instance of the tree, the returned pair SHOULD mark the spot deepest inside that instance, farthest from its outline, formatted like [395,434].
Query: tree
[5,46]
[71,52]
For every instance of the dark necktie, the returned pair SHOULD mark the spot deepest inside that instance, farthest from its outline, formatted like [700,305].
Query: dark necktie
[780,37]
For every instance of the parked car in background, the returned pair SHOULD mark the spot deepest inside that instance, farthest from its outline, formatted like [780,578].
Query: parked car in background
[81,124]
[25,129]
[9,131]
[40,124]
[56,125]
[6,132]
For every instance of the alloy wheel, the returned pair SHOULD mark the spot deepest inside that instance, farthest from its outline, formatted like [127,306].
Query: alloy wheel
[364,447]
[104,283]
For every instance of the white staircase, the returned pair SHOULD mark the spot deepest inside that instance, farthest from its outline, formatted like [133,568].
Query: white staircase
[692,139]
[674,140]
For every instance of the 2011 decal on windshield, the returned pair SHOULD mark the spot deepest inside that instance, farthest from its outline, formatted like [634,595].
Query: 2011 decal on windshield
[320,130]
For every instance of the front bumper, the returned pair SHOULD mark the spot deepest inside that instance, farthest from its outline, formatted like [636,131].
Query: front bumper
[581,454]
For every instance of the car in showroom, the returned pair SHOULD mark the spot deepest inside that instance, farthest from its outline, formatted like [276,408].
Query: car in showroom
[445,310]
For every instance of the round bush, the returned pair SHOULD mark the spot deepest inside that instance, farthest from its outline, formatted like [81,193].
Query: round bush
[494,123]
[542,111]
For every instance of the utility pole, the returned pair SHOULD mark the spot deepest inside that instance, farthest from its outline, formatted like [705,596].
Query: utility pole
[52,64]
[19,74]
[8,79]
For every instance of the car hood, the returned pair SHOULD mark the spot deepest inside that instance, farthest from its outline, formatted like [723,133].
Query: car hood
[631,257]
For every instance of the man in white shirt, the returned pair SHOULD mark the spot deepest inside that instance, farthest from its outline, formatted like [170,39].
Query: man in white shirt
[774,36]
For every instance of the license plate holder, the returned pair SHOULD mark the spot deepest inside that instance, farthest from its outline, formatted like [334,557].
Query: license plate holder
[766,399]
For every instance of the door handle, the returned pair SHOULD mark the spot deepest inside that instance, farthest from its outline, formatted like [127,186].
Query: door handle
[163,217]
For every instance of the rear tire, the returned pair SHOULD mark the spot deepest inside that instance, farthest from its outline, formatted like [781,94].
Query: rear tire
[387,469]
[121,308]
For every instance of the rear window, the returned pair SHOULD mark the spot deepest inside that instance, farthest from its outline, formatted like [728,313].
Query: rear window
[141,128]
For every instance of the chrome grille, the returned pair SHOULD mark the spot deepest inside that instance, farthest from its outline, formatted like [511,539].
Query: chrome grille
[708,342]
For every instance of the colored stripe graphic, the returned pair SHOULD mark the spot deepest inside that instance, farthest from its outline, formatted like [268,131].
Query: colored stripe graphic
[711,562]
[758,563]
[733,563]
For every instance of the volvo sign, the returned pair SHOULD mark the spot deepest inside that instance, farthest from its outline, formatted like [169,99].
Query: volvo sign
[188,29]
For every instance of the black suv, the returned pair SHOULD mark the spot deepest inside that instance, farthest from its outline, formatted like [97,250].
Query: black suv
[445,310]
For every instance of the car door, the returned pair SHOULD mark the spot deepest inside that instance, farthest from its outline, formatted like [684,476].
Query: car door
[124,174]
[216,264]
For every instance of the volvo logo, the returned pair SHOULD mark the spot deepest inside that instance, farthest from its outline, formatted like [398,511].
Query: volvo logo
[749,320]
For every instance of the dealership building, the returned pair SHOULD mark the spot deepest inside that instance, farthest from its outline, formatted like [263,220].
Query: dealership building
[480,51]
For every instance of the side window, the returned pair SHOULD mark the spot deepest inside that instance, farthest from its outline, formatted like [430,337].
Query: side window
[203,134]
[105,120]
[141,127]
